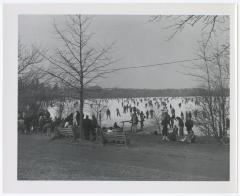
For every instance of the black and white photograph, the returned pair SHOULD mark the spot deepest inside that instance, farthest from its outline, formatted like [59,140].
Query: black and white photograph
[124,97]
[156,85]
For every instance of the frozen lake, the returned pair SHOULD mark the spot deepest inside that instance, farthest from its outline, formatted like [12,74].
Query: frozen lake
[70,106]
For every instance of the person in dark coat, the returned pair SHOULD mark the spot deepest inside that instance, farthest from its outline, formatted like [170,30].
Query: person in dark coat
[124,109]
[191,138]
[87,126]
[172,118]
[173,112]
[69,118]
[147,114]
[179,105]
[78,117]
[165,123]
[181,126]
[94,126]
[130,109]
[189,124]
[134,122]
[142,117]
[115,126]
[118,112]
[108,114]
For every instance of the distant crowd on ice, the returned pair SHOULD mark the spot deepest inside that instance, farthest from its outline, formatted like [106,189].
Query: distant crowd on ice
[175,114]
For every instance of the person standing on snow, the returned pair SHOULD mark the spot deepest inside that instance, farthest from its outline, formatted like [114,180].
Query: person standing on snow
[108,114]
[142,117]
[182,116]
[151,113]
[134,122]
[172,118]
[118,113]
[189,124]
[147,114]
[87,127]
[165,123]
[181,126]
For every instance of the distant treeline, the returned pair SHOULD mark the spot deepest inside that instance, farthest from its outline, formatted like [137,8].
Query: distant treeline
[36,92]
[97,92]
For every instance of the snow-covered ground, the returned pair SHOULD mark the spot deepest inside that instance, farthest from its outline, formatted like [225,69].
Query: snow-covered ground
[187,104]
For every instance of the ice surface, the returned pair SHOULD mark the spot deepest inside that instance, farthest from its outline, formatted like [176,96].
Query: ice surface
[73,105]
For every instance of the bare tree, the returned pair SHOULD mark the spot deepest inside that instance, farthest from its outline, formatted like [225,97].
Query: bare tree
[99,108]
[27,57]
[209,23]
[213,73]
[30,90]
[77,63]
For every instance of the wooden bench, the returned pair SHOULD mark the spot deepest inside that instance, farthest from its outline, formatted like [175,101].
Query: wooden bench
[117,138]
[66,132]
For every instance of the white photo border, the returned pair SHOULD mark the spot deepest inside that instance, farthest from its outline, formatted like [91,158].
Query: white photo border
[10,104]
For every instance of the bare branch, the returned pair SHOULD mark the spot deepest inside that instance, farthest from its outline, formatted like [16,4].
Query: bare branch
[27,57]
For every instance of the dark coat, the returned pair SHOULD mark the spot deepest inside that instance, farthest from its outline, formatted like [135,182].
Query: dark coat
[189,125]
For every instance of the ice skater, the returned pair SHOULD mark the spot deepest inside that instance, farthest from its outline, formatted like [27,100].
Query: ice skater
[108,114]
[118,112]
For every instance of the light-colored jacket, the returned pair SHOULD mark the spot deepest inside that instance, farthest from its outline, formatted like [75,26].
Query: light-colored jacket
[75,123]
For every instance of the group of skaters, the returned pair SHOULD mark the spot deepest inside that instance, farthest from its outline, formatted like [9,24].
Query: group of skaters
[176,124]
[135,120]
[129,105]
[31,121]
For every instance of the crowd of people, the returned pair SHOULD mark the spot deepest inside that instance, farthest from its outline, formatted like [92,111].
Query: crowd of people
[174,123]
[137,110]
[32,121]
[89,125]
[177,126]
[142,109]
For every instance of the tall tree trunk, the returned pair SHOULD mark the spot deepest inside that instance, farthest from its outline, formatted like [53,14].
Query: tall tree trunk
[81,113]
[81,80]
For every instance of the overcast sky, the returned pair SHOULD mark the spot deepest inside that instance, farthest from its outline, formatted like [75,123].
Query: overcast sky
[137,42]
